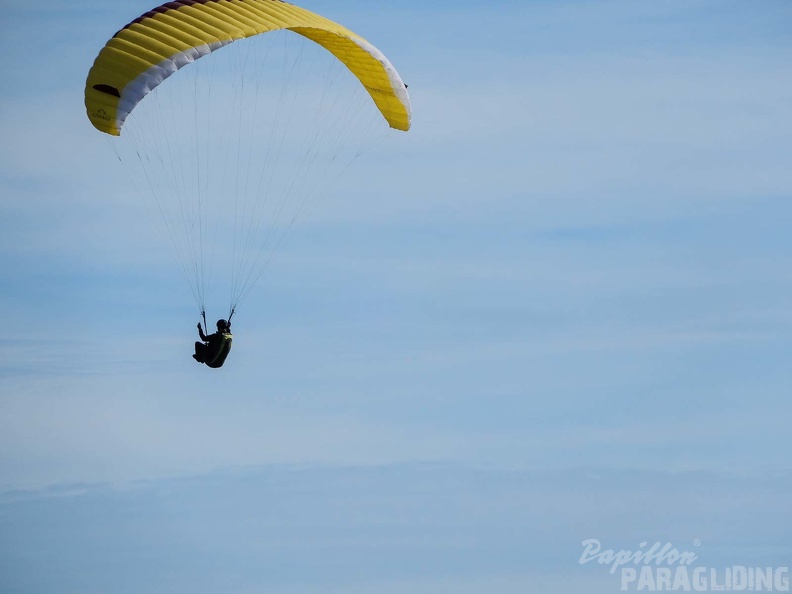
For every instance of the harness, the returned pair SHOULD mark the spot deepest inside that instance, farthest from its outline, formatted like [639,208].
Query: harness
[222,352]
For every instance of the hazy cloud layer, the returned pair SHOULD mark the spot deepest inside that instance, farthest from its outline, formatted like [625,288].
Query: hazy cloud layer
[427,527]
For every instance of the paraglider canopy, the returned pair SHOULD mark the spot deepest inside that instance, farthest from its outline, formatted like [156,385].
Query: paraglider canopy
[155,45]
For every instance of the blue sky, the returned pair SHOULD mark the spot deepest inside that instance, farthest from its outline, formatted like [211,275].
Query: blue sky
[566,315]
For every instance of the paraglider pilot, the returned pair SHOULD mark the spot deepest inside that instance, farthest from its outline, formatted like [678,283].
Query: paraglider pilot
[213,349]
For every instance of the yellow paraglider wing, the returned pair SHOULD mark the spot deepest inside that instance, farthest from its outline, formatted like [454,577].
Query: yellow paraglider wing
[152,47]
